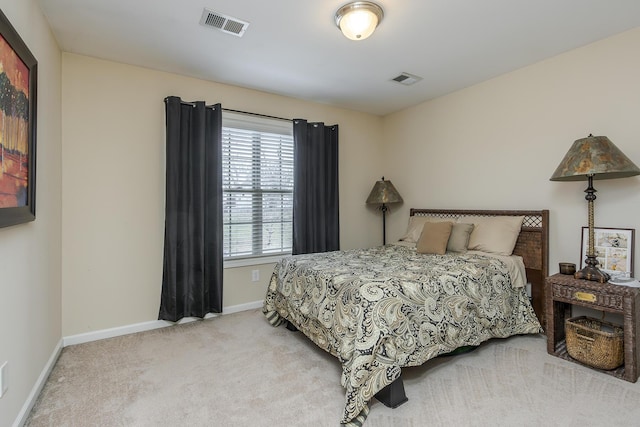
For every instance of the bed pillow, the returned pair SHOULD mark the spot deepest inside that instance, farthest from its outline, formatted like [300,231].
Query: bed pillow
[416,224]
[493,234]
[459,238]
[434,238]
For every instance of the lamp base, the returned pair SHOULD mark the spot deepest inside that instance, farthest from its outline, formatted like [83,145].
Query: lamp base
[592,273]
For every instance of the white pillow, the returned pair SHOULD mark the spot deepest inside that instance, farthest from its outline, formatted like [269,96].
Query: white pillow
[416,224]
[493,234]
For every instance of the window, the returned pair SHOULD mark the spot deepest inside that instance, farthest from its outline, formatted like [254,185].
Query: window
[257,185]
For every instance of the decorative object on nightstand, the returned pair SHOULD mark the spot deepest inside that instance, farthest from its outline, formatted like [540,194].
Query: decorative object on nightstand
[382,193]
[567,268]
[593,157]
[625,281]
[614,249]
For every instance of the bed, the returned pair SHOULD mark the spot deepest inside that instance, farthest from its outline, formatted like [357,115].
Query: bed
[381,309]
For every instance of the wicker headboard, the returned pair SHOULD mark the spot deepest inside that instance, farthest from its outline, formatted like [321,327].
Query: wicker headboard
[532,245]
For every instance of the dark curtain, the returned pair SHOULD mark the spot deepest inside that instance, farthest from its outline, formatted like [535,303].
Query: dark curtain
[192,271]
[316,226]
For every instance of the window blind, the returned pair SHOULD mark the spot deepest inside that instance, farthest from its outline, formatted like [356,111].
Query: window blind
[257,169]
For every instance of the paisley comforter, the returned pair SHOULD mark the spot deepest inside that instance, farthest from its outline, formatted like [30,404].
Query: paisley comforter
[380,309]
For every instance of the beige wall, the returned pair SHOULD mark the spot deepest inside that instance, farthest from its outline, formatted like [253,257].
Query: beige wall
[495,145]
[30,267]
[113,180]
[490,146]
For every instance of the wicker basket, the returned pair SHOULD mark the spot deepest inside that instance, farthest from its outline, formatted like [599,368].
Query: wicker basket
[594,342]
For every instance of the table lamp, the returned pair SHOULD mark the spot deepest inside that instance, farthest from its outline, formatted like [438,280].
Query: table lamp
[382,193]
[593,157]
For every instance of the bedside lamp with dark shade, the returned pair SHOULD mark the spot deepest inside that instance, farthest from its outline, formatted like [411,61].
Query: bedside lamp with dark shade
[383,193]
[593,157]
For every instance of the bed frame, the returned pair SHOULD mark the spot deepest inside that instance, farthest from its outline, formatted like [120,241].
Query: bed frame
[532,245]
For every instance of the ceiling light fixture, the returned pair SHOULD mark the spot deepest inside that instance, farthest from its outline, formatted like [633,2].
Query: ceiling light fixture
[358,20]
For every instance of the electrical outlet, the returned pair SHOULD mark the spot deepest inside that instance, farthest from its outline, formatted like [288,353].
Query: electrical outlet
[4,380]
[255,275]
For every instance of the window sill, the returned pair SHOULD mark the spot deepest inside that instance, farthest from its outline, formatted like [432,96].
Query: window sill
[253,261]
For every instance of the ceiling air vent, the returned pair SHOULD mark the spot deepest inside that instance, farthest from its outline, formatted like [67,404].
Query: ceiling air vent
[224,23]
[406,79]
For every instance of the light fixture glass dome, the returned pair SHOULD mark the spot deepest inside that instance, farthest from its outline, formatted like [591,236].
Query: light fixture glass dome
[358,20]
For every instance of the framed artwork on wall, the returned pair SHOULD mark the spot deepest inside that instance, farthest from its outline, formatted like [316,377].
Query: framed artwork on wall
[614,249]
[18,86]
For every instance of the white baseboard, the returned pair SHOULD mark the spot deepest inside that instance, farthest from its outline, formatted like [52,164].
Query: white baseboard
[114,332]
[148,326]
[243,307]
[37,388]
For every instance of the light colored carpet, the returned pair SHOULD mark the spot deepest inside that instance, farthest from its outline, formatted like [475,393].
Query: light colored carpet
[237,370]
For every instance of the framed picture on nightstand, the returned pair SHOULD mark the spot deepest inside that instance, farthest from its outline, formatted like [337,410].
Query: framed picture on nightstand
[614,249]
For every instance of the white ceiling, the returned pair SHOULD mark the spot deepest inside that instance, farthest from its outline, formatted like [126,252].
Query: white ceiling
[293,48]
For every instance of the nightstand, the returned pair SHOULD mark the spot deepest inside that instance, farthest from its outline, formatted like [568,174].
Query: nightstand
[563,291]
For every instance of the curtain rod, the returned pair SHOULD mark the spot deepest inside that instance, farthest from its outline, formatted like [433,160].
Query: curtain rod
[193,104]
[257,114]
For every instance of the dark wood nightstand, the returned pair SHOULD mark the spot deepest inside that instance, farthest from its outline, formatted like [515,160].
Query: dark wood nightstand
[563,291]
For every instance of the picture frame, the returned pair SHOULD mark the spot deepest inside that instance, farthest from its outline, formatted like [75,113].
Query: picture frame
[613,247]
[18,106]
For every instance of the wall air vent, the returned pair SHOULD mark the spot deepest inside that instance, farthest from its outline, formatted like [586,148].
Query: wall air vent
[406,79]
[224,23]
